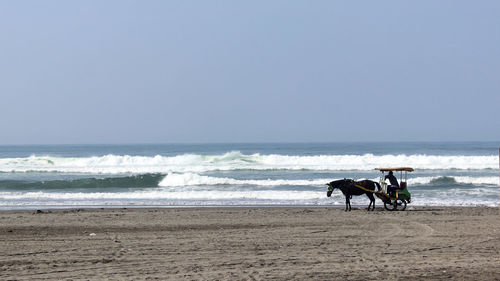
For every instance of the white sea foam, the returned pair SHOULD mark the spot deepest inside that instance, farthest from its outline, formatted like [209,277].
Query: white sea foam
[166,196]
[192,179]
[457,179]
[160,194]
[116,164]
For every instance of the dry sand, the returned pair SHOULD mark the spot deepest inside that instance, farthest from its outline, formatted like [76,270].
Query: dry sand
[251,244]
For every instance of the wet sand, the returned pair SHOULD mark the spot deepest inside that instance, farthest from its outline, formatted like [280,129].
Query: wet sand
[251,244]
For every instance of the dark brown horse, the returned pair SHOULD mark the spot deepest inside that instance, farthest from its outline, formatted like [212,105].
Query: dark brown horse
[348,188]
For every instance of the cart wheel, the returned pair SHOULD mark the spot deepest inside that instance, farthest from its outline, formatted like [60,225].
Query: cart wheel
[388,206]
[399,204]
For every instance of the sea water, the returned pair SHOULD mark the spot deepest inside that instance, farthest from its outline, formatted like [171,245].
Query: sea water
[277,174]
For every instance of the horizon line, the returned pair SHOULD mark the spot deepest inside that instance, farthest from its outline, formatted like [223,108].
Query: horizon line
[249,142]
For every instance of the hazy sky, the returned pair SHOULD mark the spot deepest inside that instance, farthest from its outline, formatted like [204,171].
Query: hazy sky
[246,71]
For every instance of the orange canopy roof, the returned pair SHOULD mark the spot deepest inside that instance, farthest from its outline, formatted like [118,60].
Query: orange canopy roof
[406,169]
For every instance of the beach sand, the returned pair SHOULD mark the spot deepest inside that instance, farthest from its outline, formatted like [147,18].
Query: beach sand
[251,244]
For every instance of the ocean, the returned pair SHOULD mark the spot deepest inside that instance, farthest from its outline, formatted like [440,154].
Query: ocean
[249,174]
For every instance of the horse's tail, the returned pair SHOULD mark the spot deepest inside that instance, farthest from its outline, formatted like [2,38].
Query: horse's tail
[378,185]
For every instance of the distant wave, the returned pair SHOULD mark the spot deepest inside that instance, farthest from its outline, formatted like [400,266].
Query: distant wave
[136,181]
[195,163]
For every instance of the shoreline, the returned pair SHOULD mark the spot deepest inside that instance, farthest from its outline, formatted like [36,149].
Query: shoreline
[118,207]
[253,243]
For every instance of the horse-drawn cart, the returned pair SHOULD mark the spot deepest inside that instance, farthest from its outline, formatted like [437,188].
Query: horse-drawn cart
[394,200]
[394,196]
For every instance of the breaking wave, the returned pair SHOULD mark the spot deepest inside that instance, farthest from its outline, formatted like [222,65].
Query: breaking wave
[196,163]
[191,179]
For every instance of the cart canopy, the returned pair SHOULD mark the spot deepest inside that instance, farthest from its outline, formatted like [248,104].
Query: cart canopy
[406,169]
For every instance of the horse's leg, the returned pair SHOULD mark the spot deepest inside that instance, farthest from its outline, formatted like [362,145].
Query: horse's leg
[372,201]
[373,206]
[346,202]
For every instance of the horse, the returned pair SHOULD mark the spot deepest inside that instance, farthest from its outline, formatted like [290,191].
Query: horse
[348,188]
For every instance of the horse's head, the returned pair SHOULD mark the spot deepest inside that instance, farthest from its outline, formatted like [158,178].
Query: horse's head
[329,191]
[336,184]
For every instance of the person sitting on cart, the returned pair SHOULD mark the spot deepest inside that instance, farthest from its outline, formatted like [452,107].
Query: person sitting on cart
[394,182]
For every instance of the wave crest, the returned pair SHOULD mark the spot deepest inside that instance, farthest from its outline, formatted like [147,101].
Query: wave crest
[192,179]
[196,163]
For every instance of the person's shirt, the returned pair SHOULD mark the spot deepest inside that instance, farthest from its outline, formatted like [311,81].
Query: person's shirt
[392,180]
